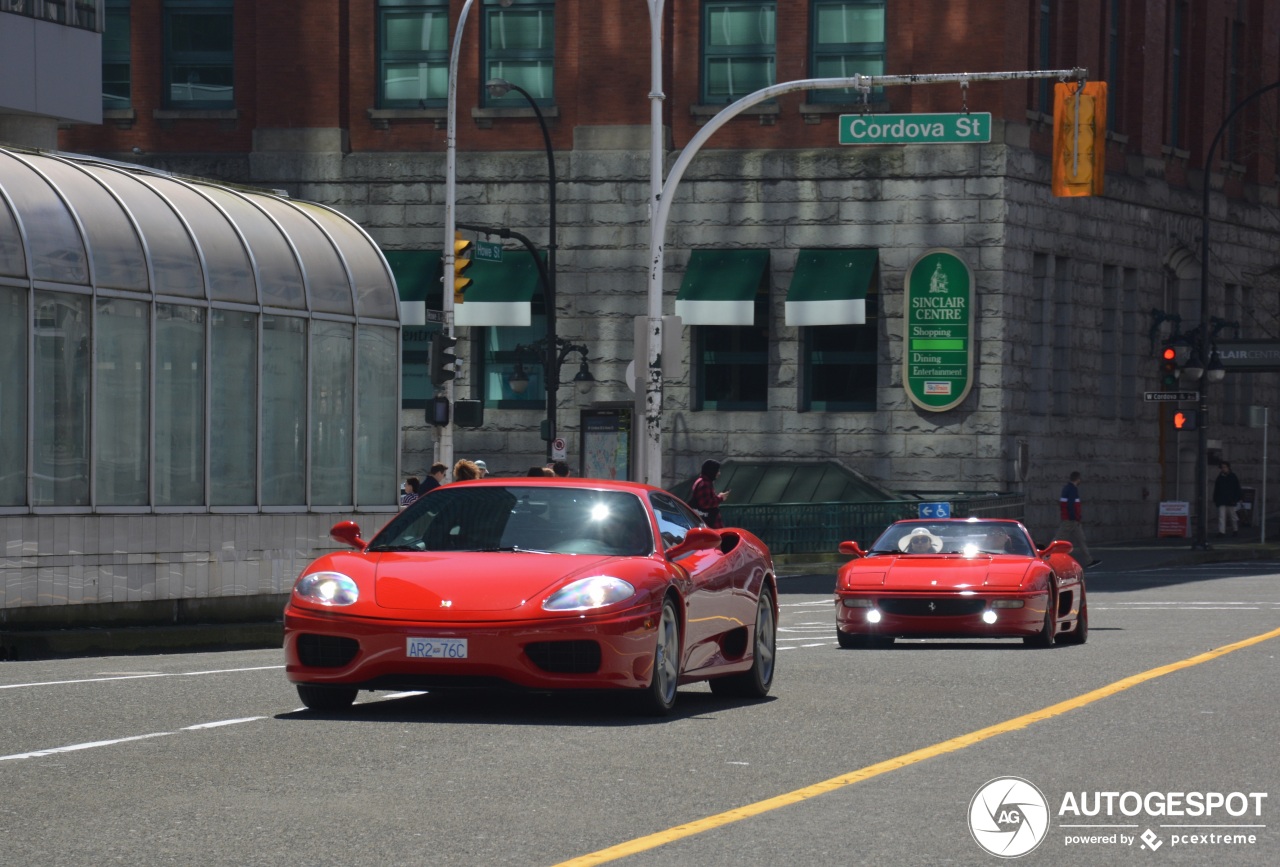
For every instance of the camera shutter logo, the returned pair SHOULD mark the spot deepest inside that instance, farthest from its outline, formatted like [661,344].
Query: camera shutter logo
[1009,817]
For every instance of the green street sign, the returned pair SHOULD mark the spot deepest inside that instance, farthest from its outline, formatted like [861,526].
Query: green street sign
[486,251]
[876,129]
[937,364]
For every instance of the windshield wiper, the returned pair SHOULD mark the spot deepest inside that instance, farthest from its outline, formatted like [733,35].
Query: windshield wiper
[510,548]
[394,548]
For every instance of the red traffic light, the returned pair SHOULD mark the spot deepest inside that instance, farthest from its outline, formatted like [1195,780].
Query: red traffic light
[1170,354]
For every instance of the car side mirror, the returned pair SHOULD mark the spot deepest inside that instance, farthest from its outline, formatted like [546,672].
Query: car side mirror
[852,548]
[697,539]
[348,533]
[1057,546]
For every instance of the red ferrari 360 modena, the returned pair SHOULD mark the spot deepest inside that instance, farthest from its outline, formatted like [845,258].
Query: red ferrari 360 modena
[960,578]
[536,584]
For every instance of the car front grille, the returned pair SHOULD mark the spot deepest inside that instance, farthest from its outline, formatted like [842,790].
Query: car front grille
[326,651]
[933,607]
[565,657]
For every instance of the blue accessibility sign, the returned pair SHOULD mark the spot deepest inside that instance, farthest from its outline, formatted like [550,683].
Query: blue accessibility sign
[935,510]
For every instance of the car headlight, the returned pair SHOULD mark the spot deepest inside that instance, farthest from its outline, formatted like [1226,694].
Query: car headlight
[327,588]
[587,593]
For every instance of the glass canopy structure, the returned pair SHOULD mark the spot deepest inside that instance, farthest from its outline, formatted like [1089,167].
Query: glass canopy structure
[174,345]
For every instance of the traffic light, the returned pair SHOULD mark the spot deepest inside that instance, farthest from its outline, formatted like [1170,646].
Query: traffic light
[1185,419]
[440,357]
[462,248]
[1079,138]
[1169,368]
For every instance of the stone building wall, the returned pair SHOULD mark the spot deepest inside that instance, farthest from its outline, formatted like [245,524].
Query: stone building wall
[1058,384]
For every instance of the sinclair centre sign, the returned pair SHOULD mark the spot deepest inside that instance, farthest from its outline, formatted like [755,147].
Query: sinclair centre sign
[937,364]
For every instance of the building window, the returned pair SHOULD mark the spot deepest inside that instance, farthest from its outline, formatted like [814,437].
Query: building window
[847,39]
[179,411]
[199,62]
[121,404]
[413,53]
[732,363]
[13,396]
[739,49]
[332,411]
[519,46]
[512,363]
[377,431]
[840,364]
[233,404]
[115,57]
[284,410]
[1044,56]
[1177,74]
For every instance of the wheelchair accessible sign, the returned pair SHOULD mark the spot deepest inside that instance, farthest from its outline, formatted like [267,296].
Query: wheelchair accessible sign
[937,364]
[935,510]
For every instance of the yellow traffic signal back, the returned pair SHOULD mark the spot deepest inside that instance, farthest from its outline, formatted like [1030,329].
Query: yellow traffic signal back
[462,248]
[1079,138]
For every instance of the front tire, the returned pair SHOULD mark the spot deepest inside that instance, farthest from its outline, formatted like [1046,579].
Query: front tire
[326,698]
[1044,638]
[659,697]
[755,683]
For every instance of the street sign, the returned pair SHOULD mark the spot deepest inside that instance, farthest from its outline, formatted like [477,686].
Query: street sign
[876,129]
[937,364]
[935,510]
[1176,396]
[559,449]
[487,251]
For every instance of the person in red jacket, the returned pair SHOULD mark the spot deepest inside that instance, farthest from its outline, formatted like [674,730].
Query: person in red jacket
[704,498]
[1071,528]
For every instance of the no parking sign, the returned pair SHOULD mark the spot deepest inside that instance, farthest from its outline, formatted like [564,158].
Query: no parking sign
[559,449]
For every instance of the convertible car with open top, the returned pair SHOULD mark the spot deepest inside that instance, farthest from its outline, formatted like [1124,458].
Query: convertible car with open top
[536,584]
[960,578]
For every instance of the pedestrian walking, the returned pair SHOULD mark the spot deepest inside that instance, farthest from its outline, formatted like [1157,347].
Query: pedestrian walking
[409,492]
[1227,494]
[434,479]
[1071,529]
[704,498]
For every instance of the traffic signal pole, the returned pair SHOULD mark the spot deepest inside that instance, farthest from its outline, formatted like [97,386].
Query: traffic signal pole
[652,460]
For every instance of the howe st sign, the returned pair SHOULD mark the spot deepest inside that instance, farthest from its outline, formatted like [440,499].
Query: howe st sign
[937,368]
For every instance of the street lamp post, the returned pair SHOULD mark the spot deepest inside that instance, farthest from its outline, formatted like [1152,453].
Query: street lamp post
[498,87]
[1203,343]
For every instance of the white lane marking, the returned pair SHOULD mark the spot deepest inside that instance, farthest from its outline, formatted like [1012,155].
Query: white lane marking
[71,748]
[409,694]
[138,676]
[824,602]
[88,746]
[220,723]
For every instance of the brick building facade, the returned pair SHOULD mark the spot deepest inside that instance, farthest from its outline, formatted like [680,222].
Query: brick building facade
[314,102]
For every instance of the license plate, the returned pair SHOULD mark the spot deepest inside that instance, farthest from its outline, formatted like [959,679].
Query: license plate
[436,648]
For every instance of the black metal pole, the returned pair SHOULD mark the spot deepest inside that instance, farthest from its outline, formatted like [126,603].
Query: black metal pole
[552,364]
[1204,341]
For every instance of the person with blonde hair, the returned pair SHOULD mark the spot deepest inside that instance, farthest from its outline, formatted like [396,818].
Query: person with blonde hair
[465,470]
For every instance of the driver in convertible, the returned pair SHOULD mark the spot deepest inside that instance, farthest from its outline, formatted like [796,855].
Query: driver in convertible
[920,541]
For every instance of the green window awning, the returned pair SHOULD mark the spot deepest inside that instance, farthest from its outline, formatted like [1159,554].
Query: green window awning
[720,287]
[501,293]
[830,287]
[417,274]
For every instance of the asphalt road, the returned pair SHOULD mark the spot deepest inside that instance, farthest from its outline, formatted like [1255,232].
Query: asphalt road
[859,757]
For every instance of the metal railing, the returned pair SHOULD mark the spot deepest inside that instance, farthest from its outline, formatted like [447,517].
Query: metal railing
[819,528]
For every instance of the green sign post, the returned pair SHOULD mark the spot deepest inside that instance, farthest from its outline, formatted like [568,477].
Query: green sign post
[937,364]
[867,129]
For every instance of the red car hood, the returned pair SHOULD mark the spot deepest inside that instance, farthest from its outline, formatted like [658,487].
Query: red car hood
[935,573]
[472,581]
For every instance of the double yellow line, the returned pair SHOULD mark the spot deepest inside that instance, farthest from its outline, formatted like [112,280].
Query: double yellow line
[652,841]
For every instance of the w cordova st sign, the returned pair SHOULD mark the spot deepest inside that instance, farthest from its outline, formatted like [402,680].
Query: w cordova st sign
[866,129]
[937,363]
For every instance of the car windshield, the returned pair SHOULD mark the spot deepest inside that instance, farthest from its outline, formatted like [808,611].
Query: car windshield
[477,517]
[959,537]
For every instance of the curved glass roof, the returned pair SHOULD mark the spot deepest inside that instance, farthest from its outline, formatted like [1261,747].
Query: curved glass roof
[72,219]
